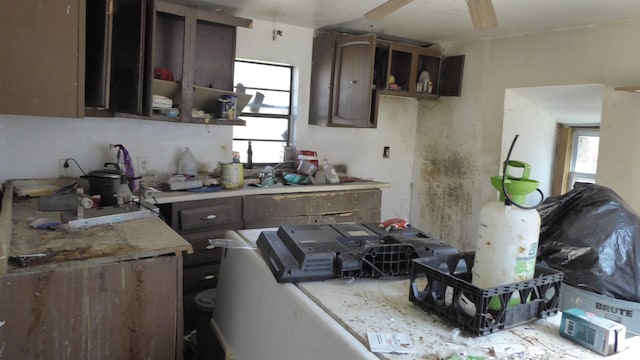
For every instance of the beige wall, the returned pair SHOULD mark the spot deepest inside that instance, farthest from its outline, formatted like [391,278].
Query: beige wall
[442,151]
[619,156]
[359,149]
[31,146]
[459,140]
[536,141]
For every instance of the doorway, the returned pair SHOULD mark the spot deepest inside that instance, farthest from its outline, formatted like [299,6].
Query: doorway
[535,114]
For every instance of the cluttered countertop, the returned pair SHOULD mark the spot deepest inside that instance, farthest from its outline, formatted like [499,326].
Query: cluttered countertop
[164,197]
[238,179]
[25,243]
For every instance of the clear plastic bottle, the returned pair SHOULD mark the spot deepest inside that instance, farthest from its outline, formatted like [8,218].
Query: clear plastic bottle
[187,163]
[425,80]
[124,194]
[330,172]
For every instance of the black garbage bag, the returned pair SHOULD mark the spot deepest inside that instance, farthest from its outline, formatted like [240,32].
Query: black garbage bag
[593,236]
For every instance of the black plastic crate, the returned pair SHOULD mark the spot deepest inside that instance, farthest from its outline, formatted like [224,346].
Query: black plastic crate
[442,285]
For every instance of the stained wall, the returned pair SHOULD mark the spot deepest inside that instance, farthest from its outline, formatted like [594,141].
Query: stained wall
[459,140]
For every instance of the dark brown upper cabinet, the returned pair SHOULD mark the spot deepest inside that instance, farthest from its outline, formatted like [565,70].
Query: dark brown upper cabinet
[197,48]
[42,57]
[164,48]
[353,76]
[404,63]
[71,58]
[118,57]
[350,73]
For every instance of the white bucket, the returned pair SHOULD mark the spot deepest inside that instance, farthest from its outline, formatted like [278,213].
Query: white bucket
[232,176]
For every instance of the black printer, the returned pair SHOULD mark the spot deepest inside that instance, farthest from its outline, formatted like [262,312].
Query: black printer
[297,253]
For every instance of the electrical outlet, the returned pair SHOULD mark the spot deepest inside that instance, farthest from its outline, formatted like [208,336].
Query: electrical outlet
[62,170]
[386,152]
[143,165]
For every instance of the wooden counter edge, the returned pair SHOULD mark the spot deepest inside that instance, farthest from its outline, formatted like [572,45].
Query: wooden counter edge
[6,216]
[180,196]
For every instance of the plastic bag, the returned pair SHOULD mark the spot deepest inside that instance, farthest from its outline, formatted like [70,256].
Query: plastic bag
[593,236]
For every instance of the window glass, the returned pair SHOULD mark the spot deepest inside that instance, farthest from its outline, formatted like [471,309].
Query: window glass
[267,102]
[584,157]
[262,129]
[263,152]
[268,113]
[262,75]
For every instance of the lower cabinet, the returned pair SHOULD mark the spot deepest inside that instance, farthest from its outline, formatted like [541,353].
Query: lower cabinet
[361,206]
[202,222]
[199,222]
[121,310]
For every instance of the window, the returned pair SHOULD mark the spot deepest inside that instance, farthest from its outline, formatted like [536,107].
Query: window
[584,156]
[268,114]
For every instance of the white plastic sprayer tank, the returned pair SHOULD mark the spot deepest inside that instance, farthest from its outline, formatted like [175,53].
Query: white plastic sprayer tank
[507,243]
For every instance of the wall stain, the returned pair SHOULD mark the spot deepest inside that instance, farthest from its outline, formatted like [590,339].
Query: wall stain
[445,196]
[39,292]
[136,334]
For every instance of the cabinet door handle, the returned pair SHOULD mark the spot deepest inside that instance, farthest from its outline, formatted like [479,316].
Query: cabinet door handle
[208,217]
[353,82]
[209,277]
[209,247]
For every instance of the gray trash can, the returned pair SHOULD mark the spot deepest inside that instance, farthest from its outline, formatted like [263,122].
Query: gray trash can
[208,346]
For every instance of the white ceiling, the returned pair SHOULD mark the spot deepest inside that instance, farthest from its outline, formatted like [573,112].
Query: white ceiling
[430,20]
[434,21]
[567,104]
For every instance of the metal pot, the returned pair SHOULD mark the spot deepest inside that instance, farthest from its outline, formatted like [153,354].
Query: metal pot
[105,182]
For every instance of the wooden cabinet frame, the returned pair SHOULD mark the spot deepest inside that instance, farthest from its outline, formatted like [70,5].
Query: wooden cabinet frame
[350,72]
[44,55]
[186,89]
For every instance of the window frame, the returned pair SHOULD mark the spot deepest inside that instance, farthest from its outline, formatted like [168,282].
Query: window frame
[288,142]
[573,175]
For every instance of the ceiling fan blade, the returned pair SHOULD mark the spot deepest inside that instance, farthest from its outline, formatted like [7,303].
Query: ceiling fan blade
[628,88]
[482,13]
[385,9]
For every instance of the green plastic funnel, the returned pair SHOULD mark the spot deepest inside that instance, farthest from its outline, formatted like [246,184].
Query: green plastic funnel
[517,187]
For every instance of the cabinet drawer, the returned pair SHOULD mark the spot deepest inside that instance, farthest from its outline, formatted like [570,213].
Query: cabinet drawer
[203,251]
[323,204]
[203,257]
[214,216]
[223,213]
[200,241]
[201,277]
[371,216]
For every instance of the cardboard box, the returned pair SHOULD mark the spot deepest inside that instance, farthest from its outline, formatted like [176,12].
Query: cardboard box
[593,332]
[626,313]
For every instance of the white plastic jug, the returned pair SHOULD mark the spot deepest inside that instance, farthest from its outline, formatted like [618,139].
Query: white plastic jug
[187,164]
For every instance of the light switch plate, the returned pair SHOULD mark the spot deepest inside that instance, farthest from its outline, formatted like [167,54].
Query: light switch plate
[143,165]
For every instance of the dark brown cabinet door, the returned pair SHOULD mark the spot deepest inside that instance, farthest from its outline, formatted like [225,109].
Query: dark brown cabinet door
[214,57]
[42,57]
[451,70]
[130,58]
[98,48]
[121,310]
[322,77]
[353,81]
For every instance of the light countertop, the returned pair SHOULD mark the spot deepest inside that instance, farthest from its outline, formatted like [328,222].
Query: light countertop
[179,196]
[65,247]
[306,318]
